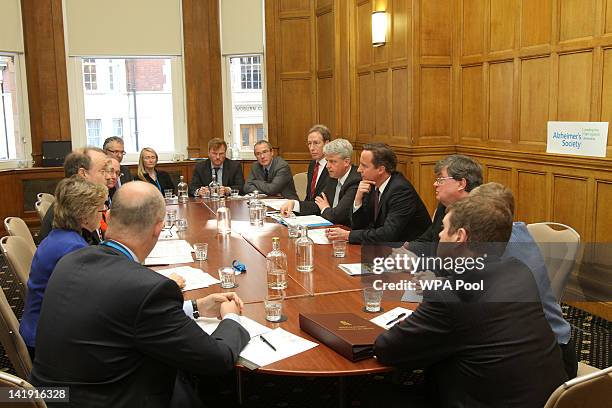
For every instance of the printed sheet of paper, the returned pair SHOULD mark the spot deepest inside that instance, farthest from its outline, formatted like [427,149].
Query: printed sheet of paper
[194,278]
[318,236]
[287,344]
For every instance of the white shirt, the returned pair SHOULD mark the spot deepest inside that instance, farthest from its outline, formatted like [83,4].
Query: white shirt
[341,182]
[322,164]
[381,189]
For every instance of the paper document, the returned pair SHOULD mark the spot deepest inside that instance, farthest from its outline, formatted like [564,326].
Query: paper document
[167,234]
[194,278]
[308,220]
[259,353]
[391,318]
[209,325]
[355,269]
[170,252]
[275,203]
[318,236]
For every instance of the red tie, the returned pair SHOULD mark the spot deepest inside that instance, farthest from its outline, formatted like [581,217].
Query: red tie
[313,184]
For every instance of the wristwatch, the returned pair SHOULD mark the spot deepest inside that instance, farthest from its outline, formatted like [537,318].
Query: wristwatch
[194,305]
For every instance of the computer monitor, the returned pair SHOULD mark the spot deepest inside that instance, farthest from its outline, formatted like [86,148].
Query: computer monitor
[54,152]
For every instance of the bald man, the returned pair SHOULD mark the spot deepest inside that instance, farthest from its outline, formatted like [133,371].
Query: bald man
[115,331]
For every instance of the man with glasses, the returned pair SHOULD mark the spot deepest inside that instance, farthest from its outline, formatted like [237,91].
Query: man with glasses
[92,164]
[227,171]
[270,175]
[115,147]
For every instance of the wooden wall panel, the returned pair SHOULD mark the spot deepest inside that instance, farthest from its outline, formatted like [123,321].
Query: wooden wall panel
[365,110]
[427,191]
[503,20]
[577,18]
[381,104]
[534,99]
[532,188]
[400,29]
[325,94]
[574,91]
[501,98]
[435,101]
[471,102]
[608,17]
[536,22]
[325,41]
[603,221]
[502,175]
[606,96]
[294,58]
[296,113]
[436,23]
[400,102]
[363,33]
[294,5]
[472,39]
[570,211]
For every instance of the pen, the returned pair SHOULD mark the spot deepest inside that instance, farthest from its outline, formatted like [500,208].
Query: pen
[399,316]
[267,342]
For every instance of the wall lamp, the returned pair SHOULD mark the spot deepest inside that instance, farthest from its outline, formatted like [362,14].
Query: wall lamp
[379,28]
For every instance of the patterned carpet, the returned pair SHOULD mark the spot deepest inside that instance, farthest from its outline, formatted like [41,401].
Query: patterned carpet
[593,346]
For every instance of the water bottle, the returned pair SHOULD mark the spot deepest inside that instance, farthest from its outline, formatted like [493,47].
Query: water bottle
[257,211]
[224,219]
[276,266]
[304,251]
[183,195]
[214,189]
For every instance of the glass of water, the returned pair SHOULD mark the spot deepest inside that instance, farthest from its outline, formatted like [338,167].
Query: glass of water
[201,251]
[168,193]
[339,246]
[227,277]
[273,306]
[181,224]
[170,218]
[372,298]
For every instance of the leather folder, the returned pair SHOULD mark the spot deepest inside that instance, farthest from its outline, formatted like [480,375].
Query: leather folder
[346,333]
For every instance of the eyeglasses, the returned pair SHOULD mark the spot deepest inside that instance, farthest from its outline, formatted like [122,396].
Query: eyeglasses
[442,180]
[121,152]
[105,209]
[262,153]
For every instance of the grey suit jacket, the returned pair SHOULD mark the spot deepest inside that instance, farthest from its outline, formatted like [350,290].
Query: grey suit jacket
[280,179]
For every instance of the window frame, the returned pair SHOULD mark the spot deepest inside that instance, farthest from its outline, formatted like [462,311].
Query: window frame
[25,159]
[76,98]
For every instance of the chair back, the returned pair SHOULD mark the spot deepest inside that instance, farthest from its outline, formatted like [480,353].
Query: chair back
[17,227]
[19,255]
[301,184]
[45,197]
[42,207]
[10,381]
[591,390]
[561,250]
[13,343]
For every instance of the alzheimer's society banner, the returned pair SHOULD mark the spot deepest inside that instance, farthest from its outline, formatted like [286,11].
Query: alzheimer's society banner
[578,138]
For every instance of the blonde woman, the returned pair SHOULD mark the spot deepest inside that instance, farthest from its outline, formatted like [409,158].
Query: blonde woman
[147,172]
[79,205]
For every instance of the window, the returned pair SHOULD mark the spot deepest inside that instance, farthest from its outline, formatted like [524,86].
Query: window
[137,103]
[251,134]
[118,127]
[245,96]
[94,131]
[250,72]
[89,74]
[12,126]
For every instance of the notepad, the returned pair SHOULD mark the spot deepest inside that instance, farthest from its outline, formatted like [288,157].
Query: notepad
[258,354]
[170,252]
[391,317]
[194,278]
[356,269]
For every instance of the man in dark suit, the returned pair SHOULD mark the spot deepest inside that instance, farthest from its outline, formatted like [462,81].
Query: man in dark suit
[485,346]
[115,147]
[92,164]
[456,176]
[270,175]
[114,331]
[318,137]
[335,202]
[386,208]
[227,171]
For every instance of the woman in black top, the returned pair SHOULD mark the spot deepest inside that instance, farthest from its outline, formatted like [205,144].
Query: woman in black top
[147,172]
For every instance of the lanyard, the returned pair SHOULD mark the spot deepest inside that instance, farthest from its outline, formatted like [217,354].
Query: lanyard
[118,247]
[158,185]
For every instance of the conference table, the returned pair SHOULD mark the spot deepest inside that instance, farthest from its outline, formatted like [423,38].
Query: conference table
[327,289]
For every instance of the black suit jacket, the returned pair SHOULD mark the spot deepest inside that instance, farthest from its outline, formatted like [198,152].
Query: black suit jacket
[126,176]
[427,243]
[280,179]
[202,175]
[402,216]
[164,179]
[46,226]
[341,213]
[115,332]
[490,348]
[321,181]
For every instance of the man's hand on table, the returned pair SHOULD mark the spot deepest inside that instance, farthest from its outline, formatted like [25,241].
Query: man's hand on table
[220,304]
